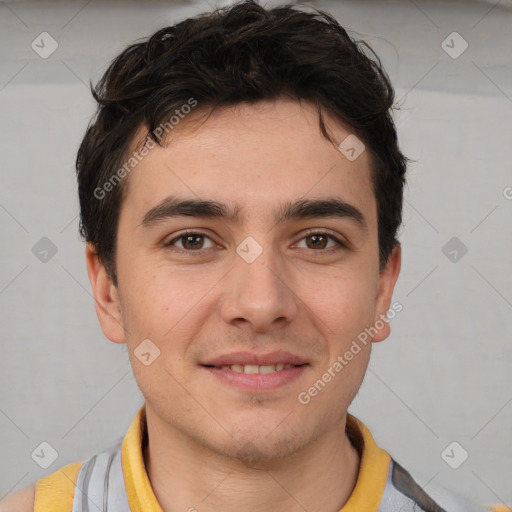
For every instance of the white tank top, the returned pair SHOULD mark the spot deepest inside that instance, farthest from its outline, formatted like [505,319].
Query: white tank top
[100,484]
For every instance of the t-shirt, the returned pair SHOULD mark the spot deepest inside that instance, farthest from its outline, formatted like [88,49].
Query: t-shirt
[115,480]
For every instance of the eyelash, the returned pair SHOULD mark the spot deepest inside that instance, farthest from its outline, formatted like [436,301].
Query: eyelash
[184,234]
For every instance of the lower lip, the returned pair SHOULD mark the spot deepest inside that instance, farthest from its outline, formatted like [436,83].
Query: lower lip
[256,382]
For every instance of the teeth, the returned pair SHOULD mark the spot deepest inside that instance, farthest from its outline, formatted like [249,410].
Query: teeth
[254,368]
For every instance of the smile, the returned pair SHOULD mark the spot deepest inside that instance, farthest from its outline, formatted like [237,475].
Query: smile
[254,368]
[256,378]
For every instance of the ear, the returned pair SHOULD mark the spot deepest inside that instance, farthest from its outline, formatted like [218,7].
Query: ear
[106,297]
[387,280]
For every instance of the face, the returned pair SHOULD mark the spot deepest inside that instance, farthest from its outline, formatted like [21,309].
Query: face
[282,270]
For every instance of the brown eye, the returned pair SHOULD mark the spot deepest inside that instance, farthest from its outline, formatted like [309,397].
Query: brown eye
[190,242]
[317,241]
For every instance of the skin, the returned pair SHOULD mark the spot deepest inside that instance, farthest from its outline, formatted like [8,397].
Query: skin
[212,446]
[20,501]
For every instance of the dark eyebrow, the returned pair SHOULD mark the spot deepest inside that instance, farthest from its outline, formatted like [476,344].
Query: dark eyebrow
[173,206]
[319,208]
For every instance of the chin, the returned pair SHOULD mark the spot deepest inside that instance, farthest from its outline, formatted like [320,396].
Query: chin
[260,443]
[261,453]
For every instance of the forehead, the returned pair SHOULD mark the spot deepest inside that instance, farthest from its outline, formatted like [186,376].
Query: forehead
[256,156]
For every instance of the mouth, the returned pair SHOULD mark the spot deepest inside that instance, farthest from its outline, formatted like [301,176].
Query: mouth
[254,368]
[256,373]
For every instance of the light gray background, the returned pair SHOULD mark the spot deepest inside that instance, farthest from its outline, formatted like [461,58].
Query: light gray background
[444,375]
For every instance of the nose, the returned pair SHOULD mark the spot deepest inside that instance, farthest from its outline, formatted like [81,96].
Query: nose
[259,295]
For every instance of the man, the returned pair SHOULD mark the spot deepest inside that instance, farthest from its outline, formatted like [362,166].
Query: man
[241,191]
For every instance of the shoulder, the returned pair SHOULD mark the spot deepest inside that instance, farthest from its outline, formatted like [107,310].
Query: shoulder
[54,492]
[402,489]
[451,501]
[20,501]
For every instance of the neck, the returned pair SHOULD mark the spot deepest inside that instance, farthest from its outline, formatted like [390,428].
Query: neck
[186,476]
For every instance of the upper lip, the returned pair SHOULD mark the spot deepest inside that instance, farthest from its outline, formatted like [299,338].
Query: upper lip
[242,358]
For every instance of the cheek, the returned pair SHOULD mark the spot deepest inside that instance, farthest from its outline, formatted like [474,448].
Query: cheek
[343,302]
[155,301]
[170,308]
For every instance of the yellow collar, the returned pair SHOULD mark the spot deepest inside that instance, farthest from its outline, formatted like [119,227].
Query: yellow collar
[366,496]
[138,487]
